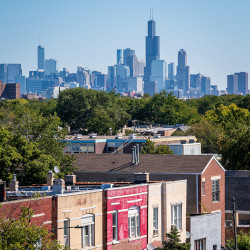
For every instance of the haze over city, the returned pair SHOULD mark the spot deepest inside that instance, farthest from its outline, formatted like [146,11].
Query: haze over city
[214,34]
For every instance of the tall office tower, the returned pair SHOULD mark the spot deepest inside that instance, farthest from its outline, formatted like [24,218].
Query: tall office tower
[171,71]
[183,71]
[133,65]
[8,72]
[126,53]
[158,74]
[111,78]
[40,57]
[22,81]
[122,73]
[119,56]
[50,66]
[232,84]
[64,73]
[195,81]
[152,49]
[242,83]
[141,65]
[206,85]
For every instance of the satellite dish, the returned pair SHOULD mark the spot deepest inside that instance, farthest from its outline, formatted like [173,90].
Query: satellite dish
[150,246]
[187,235]
[56,169]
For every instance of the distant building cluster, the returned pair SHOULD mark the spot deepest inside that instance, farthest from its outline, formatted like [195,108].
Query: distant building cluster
[130,76]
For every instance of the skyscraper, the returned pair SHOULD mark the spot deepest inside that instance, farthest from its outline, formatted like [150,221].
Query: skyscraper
[8,72]
[133,65]
[232,84]
[152,48]
[206,85]
[158,74]
[50,66]
[40,57]
[242,83]
[183,71]
[119,56]
[171,71]
[126,53]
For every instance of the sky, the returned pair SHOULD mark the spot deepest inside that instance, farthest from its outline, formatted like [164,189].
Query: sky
[214,33]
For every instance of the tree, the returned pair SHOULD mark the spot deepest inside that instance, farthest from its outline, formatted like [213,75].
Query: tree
[173,241]
[19,233]
[243,241]
[149,148]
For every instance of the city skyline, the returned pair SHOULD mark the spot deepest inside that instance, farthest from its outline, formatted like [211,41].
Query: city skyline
[219,49]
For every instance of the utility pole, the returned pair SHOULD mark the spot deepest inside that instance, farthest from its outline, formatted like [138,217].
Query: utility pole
[235,226]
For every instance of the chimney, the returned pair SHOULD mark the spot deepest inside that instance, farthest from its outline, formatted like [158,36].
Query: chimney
[133,155]
[70,179]
[50,178]
[2,191]
[138,153]
[58,186]
[141,178]
[14,184]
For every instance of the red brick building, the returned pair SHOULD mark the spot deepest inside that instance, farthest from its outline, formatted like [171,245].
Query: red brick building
[10,90]
[125,218]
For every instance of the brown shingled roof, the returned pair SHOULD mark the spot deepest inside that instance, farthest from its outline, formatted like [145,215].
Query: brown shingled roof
[148,163]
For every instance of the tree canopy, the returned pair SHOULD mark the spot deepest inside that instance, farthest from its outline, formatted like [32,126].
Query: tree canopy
[150,148]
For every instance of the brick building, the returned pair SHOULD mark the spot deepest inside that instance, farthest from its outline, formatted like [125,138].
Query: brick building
[10,90]
[204,174]
[125,225]
[237,186]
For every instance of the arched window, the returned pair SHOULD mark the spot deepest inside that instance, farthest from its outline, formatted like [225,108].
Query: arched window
[88,230]
[134,222]
[115,225]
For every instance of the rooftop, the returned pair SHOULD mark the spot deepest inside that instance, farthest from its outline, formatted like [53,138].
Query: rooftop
[148,163]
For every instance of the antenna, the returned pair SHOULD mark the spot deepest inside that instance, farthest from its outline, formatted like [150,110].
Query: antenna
[152,13]
[39,41]
[56,169]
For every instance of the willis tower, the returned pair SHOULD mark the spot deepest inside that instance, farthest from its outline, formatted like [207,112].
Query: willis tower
[152,49]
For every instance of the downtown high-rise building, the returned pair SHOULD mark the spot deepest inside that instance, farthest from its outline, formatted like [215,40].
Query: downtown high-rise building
[159,74]
[183,71]
[40,58]
[242,83]
[206,85]
[171,71]
[152,49]
[232,84]
[126,54]
[9,72]
[50,66]
[119,56]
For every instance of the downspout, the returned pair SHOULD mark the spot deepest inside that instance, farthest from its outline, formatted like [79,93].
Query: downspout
[197,195]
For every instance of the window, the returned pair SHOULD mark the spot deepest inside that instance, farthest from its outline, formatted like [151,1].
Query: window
[200,244]
[176,216]
[214,247]
[115,225]
[88,231]
[66,232]
[155,220]
[216,190]
[203,188]
[134,222]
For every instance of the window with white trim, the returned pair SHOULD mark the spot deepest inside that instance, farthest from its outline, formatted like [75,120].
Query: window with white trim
[134,222]
[216,190]
[66,232]
[115,225]
[200,244]
[176,216]
[88,231]
[155,221]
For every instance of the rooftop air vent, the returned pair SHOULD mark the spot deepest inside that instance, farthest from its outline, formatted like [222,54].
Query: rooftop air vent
[183,141]
[79,136]
[191,140]
[92,135]
[118,137]
[157,135]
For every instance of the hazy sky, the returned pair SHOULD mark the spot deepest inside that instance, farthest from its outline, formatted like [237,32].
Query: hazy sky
[215,33]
